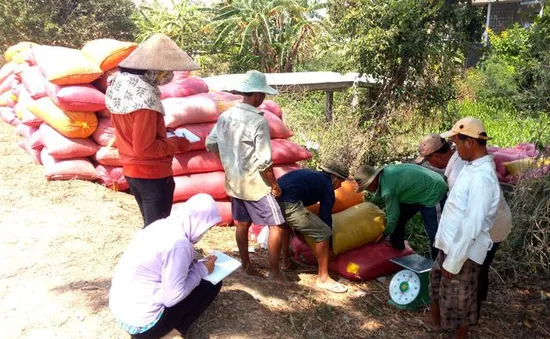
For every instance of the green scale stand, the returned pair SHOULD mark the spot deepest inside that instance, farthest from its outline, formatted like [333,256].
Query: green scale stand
[410,288]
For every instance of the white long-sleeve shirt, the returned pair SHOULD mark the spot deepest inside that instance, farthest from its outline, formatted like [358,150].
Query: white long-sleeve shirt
[469,214]
[503,221]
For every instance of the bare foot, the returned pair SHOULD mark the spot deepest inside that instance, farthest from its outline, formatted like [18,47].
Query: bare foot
[278,277]
[430,324]
[251,271]
[331,286]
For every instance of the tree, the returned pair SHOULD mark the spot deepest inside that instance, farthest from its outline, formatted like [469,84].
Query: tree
[184,22]
[68,23]
[413,47]
[270,35]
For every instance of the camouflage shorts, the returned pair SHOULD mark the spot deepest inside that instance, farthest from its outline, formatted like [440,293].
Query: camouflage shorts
[457,297]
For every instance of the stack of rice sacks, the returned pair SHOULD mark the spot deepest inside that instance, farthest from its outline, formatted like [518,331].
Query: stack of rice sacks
[56,103]
[55,98]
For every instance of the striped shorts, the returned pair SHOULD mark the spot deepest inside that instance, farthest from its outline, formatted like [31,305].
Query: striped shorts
[265,211]
[457,297]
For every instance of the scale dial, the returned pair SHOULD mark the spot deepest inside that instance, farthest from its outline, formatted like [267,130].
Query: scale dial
[404,287]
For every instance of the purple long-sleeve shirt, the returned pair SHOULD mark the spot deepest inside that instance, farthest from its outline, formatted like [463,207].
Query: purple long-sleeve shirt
[158,269]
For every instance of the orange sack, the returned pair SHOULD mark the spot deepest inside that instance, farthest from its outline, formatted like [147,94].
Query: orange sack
[108,53]
[70,124]
[345,198]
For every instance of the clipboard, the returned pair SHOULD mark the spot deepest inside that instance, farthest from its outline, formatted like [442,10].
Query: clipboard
[223,267]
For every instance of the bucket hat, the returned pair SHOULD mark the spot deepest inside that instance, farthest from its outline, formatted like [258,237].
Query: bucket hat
[365,176]
[253,82]
[337,168]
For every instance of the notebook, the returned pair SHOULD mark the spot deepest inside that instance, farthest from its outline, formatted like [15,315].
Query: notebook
[185,133]
[224,266]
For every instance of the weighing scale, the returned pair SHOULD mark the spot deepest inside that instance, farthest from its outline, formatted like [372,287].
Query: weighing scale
[410,288]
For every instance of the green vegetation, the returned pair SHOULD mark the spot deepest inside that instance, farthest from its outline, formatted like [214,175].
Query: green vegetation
[68,23]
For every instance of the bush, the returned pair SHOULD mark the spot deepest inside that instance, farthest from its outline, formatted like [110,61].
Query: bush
[527,250]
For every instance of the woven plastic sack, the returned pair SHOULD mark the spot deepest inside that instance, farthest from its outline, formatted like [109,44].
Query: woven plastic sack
[81,168]
[212,183]
[369,261]
[108,53]
[112,178]
[104,135]
[179,88]
[346,197]
[356,226]
[277,129]
[17,48]
[70,124]
[34,82]
[66,66]
[195,109]
[284,152]
[108,156]
[8,114]
[195,162]
[83,98]
[60,147]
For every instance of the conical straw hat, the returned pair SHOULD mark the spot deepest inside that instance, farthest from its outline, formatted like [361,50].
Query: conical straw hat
[159,53]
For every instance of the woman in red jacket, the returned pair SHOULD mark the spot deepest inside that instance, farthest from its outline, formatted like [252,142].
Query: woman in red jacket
[137,115]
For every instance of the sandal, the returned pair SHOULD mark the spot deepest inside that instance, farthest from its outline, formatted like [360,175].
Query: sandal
[333,287]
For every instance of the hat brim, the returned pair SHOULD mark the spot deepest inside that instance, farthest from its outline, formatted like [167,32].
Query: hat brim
[266,90]
[448,134]
[420,159]
[328,170]
[363,187]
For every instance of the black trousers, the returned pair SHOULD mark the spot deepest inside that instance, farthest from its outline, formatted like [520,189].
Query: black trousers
[429,217]
[483,285]
[154,197]
[182,315]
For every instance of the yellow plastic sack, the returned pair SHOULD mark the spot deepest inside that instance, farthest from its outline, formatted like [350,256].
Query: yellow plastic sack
[522,165]
[356,226]
[108,53]
[17,48]
[66,66]
[70,124]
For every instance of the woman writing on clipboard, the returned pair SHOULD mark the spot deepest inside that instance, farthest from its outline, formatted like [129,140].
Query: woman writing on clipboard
[157,286]
[133,98]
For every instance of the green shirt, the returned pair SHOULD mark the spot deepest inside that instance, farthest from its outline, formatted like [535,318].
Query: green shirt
[408,184]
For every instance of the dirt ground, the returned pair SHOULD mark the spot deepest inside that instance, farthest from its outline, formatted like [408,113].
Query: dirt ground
[61,241]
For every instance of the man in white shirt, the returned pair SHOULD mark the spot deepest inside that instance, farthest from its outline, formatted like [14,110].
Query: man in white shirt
[438,153]
[463,234]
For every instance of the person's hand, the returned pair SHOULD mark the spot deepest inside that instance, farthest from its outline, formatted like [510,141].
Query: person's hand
[183,144]
[276,191]
[446,273]
[209,263]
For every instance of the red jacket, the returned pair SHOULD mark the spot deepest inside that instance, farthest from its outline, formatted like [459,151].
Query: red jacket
[145,151]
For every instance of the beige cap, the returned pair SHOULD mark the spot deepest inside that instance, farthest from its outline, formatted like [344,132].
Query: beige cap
[468,126]
[428,145]
[159,53]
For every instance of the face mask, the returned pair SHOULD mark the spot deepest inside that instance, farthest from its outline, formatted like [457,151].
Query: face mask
[159,78]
